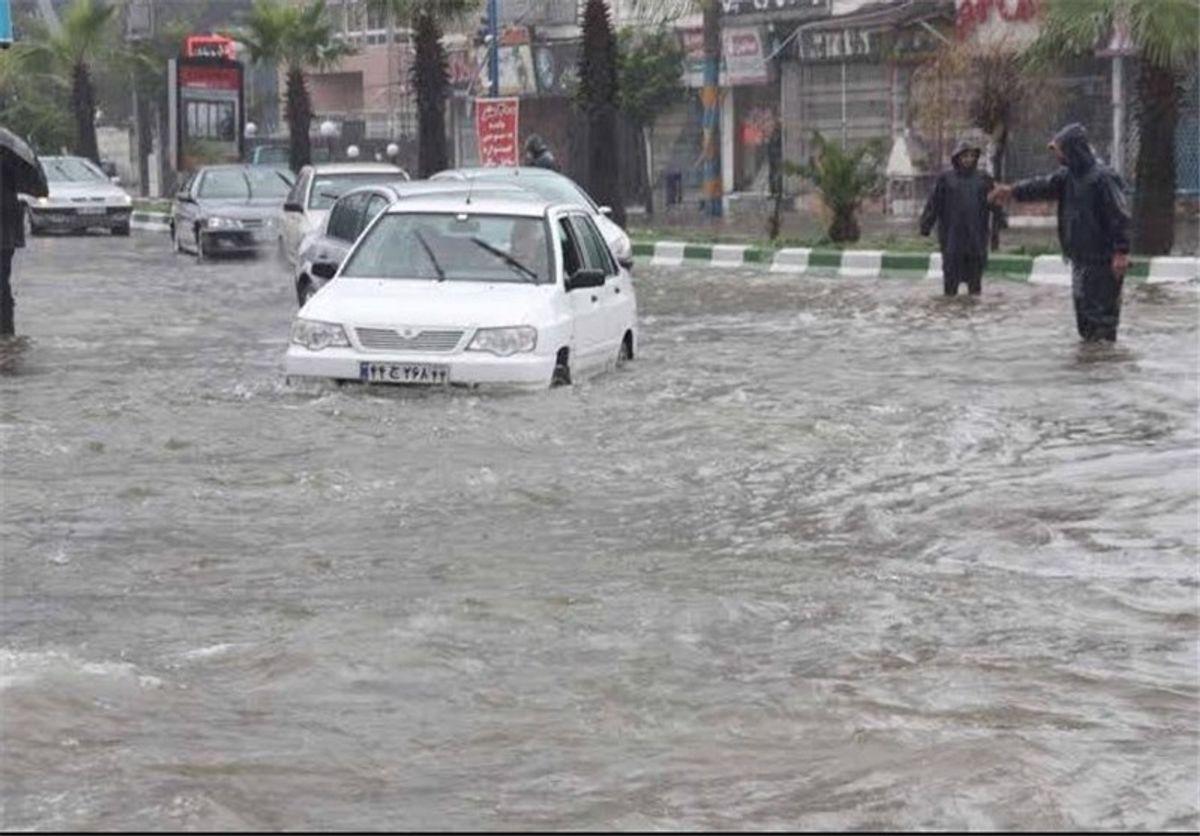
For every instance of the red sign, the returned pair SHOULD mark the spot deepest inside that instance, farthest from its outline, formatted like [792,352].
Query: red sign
[210,78]
[496,130]
[209,46]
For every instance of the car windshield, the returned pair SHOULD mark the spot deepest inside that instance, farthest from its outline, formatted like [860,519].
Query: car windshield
[453,247]
[244,184]
[69,170]
[329,187]
[270,155]
[551,188]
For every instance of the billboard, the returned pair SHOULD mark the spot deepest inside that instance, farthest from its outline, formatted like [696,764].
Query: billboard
[206,111]
[496,130]
[5,23]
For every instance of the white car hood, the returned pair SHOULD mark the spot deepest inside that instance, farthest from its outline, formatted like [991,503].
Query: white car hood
[390,303]
[67,190]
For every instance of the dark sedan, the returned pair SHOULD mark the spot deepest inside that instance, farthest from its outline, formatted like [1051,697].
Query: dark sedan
[229,209]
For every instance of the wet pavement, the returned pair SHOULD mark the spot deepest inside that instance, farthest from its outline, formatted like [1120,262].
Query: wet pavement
[829,554]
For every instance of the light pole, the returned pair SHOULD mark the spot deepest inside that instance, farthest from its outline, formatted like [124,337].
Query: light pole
[494,49]
[328,131]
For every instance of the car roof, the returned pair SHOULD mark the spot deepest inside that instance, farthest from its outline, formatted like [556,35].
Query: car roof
[355,168]
[418,188]
[504,171]
[518,203]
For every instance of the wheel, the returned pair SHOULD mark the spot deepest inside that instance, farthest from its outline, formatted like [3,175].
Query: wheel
[625,352]
[121,231]
[32,230]
[562,369]
[305,292]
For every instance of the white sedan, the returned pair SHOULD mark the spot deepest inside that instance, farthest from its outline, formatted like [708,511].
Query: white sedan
[450,289]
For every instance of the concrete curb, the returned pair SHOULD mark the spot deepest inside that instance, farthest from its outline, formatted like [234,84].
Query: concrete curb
[150,221]
[870,264]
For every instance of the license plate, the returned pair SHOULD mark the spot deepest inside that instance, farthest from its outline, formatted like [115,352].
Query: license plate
[418,373]
[90,210]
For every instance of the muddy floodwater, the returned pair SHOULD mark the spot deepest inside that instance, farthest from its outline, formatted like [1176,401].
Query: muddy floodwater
[829,554]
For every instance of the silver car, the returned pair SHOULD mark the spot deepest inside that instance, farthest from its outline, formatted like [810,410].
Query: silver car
[229,209]
[81,197]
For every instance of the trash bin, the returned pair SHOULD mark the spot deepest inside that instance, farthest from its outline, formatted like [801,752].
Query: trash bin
[674,183]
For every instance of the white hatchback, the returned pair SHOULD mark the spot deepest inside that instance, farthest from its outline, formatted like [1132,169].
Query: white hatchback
[447,289]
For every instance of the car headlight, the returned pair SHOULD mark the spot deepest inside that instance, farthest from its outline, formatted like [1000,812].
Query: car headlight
[318,335]
[224,223]
[123,200]
[43,201]
[504,341]
[623,248]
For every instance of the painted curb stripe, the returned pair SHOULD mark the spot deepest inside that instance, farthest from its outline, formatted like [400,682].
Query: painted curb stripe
[725,255]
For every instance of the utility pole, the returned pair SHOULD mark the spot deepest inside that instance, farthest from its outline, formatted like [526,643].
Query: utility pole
[710,97]
[494,48]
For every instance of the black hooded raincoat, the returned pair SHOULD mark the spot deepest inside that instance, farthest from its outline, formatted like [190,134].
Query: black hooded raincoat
[958,205]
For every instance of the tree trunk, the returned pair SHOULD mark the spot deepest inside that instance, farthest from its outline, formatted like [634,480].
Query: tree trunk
[430,78]
[299,117]
[1154,198]
[647,144]
[711,99]
[83,106]
[998,176]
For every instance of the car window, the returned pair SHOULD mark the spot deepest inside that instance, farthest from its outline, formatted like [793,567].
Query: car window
[376,204]
[552,187]
[244,184]
[461,247]
[595,252]
[571,258]
[345,222]
[72,170]
[329,187]
[267,181]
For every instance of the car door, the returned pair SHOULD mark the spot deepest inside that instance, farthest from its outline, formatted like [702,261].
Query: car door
[584,303]
[612,307]
[295,223]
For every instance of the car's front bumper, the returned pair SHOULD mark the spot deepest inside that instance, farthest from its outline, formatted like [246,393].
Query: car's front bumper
[465,367]
[70,218]
[237,240]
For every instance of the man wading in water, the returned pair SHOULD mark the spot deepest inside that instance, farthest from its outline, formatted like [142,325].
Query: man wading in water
[1093,229]
[959,207]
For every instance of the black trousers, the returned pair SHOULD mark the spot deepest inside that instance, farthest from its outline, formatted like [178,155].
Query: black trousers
[1097,293]
[959,269]
[6,297]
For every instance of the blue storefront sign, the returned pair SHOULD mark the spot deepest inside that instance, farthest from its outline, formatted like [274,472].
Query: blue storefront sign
[5,23]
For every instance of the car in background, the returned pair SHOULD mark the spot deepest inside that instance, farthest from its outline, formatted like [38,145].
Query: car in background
[81,197]
[315,190]
[451,289]
[555,187]
[281,155]
[326,247]
[229,209]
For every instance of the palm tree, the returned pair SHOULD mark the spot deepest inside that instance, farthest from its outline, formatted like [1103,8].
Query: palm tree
[299,37]
[429,73]
[67,57]
[1164,34]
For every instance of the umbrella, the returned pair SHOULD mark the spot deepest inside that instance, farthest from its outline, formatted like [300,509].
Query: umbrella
[30,177]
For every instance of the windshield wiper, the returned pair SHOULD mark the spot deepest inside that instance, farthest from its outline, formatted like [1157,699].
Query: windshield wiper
[507,259]
[441,274]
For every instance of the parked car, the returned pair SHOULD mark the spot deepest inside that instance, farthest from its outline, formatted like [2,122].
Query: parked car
[229,209]
[451,289]
[81,197]
[281,155]
[316,188]
[326,247]
[558,188]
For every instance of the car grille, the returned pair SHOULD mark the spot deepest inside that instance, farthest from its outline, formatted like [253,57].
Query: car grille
[252,223]
[385,339]
[87,200]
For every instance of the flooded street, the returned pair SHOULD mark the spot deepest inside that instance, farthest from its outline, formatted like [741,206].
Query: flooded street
[830,554]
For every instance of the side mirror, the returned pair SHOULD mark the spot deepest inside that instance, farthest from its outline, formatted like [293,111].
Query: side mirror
[324,270]
[585,279]
[184,197]
[627,263]
[606,211]
[292,207]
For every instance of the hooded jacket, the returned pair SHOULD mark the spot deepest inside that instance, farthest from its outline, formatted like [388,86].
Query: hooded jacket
[959,206]
[1093,216]
[537,153]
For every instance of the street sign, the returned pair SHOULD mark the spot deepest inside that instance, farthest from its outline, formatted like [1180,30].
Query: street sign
[496,130]
[5,23]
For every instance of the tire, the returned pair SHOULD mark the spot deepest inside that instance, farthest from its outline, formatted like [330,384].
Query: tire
[121,231]
[625,352]
[562,369]
[305,291]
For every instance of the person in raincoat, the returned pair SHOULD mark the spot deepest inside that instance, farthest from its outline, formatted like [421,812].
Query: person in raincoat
[12,238]
[537,153]
[1093,228]
[958,206]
